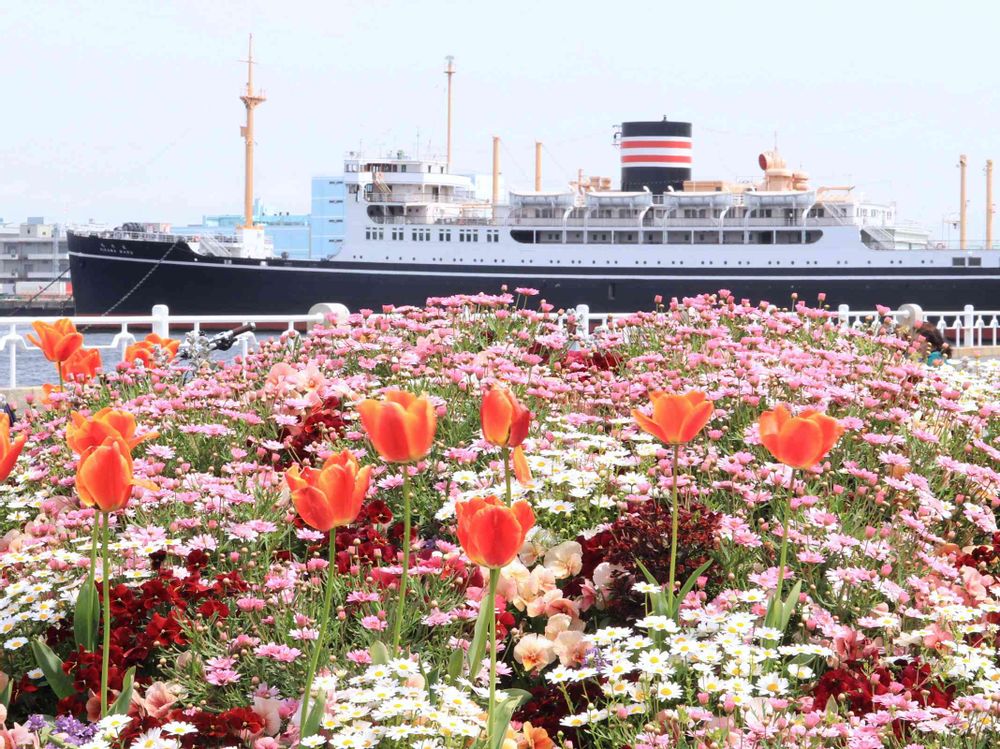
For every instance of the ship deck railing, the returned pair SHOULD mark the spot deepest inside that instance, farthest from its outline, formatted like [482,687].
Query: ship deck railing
[156,236]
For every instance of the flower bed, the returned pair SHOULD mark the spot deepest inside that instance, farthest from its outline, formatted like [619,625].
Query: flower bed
[216,584]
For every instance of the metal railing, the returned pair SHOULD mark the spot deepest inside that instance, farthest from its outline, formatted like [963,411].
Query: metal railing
[965,329]
[159,321]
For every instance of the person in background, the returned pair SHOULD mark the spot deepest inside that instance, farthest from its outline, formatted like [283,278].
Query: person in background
[931,344]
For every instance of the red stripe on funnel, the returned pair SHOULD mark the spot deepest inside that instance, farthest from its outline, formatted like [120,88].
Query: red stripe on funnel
[658,159]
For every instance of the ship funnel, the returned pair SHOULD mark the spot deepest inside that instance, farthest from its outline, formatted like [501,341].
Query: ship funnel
[655,155]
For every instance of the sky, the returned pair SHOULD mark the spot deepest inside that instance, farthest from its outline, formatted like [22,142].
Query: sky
[129,110]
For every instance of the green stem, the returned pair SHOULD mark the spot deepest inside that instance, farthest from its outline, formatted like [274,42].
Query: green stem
[784,554]
[94,533]
[106,588]
[505,451]
[673,533]
[59,370]
[404,575]
[784,544]
[490,606]
[331,570]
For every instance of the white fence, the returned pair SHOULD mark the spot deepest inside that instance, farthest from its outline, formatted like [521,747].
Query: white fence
[964,328]
[160,321]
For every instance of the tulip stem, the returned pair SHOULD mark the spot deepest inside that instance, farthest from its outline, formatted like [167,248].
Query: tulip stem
[324,622]
[405,573]
[673,532]
[784,551]
[490,602]
[95,533]
[106,589]
[59,370]
[505,451]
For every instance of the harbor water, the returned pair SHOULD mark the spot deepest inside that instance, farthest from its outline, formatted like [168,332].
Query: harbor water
[33,369]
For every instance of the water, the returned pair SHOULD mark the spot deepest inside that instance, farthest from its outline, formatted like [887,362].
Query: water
[34,369]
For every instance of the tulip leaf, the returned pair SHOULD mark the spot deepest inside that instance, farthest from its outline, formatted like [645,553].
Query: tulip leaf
[455,661]
[51,666]
[788,608]
[86,616]
[832,708]
[502,712]
[315,715]
[379,653]
[121,704]
[5,693]
[658,599]
[478,646]
[688,585]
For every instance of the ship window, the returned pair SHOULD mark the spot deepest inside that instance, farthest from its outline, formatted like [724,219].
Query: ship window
[975,262]
[958,261]
[402,168]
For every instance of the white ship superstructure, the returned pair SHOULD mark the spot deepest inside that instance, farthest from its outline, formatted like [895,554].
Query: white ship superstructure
[414,230]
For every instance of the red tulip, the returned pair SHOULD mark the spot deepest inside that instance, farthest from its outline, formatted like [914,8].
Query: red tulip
[401,427]
[504,420]
[676,418]
[9,451]
[799,441]
[331,496]
[492,533]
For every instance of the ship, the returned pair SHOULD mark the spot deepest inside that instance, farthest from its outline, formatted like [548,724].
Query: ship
[416,231]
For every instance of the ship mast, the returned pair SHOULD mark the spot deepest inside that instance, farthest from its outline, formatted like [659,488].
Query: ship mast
[449,71]
[250,101]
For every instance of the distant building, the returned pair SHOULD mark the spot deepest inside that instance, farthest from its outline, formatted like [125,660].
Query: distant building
[289,232]
[33,259]
[327,219]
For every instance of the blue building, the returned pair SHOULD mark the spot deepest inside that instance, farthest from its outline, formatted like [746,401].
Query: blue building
[327,219]
[288,232]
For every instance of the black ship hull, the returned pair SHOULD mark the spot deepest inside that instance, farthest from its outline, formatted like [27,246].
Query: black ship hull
[129,276]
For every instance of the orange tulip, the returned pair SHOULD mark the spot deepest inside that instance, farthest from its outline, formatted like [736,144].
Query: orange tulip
[170,345]
[58,340]
[504,420]
[676,418]
[492,533]
[401,427]
[104,476]
[82,364]
[145,350]
[9,451]
[534,738]
[799,441]
[522,471]
[331,496]
[83,434]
